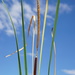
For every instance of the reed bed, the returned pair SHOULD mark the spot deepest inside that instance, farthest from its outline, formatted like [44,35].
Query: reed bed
[35,70]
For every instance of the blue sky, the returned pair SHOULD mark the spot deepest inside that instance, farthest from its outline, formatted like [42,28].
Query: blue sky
[65,37]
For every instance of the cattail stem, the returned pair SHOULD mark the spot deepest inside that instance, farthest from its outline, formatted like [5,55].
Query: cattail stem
[33,38]
[35,65]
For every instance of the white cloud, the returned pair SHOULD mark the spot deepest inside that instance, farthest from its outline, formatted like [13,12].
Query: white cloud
[51,20]
[69,72]
[30,54]
[1,26]
[9,32]
[14,1]
[49,24]
[4,21]
[52,9]
[50,17]
[15,11]
[28,11]
[64,8]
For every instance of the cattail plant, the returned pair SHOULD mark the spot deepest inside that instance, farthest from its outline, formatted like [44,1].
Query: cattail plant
[38,36]
[34,62]
[53,32]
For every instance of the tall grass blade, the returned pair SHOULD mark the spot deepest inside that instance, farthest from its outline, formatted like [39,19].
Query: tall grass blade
[55,22]
[54,53]
[24,40]
[20,71]
[43,32]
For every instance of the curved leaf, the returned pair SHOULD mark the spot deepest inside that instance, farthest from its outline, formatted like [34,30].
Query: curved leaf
[16,40]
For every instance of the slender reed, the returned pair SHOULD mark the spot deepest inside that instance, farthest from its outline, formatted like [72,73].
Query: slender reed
[43,32]
[54,53]
[24,39]
[54,31]
[16,39]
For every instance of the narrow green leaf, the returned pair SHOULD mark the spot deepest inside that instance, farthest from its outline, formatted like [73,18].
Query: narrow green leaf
[16,39]
[43,32]
[55,22]
[54,53]
[24,39]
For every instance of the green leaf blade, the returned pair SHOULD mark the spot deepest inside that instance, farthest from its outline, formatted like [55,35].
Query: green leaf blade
[16,39]
[24,41]
[43,32]
[55,22]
